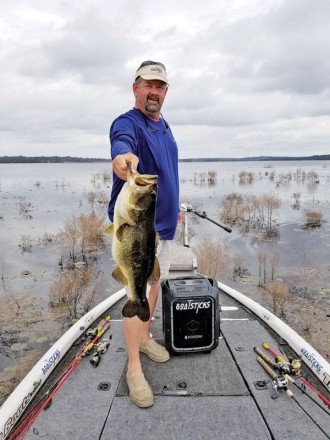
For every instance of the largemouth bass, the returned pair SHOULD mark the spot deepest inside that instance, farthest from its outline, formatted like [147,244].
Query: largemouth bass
[134,241]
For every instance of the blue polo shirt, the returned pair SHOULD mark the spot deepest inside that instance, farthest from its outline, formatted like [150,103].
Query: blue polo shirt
[155,146]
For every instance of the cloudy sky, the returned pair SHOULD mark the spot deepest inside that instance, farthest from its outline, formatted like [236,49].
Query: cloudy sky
[248,78]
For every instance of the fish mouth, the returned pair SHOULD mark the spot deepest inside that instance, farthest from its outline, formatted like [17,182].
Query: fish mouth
[141,179]
[146,180]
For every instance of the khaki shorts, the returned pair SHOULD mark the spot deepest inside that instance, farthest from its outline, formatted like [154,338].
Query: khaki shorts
[163,253]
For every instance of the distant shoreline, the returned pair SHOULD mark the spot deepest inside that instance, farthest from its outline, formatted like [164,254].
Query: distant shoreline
[69,159]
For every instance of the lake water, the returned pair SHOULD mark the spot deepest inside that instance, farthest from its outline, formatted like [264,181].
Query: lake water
[37,199]
[51,193]
[281,179]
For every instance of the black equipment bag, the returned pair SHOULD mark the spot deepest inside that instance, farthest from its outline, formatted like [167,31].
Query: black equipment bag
[191,314]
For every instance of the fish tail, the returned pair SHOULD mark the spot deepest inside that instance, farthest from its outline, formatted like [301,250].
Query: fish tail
[138,308]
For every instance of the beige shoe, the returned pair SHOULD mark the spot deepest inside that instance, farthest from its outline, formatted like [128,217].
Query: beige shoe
[140,391]
[155,351]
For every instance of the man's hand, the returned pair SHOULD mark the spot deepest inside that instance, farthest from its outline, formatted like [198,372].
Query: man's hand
[119,164]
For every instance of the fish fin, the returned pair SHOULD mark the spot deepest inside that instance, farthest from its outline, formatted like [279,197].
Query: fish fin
[109,229]
[138,308]
[120,231]
[118,275]
[155,274]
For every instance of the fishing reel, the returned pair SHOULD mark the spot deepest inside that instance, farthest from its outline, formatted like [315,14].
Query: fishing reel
[283,367]
[295,366]
[291,367]
[279,383]
[100,348]
[91,332]
[95,359]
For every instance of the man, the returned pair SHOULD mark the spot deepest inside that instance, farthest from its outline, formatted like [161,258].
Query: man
[141,136]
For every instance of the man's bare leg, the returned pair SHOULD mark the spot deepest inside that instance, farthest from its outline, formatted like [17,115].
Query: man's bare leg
[138,332]
[132,330]
[139,389]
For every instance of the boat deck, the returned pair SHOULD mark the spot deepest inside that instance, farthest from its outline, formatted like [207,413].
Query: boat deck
[197,395]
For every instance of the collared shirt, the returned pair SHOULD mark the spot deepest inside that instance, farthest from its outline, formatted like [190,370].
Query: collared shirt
[155,146]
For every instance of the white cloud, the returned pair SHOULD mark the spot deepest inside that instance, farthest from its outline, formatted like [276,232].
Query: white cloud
[247,78]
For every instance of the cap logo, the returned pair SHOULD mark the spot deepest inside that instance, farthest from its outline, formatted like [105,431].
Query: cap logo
[156,69]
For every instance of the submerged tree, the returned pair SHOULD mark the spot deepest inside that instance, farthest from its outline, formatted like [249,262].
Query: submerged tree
[246,177]
[213,259]
[313,219]
[73,289]
[305,282]
[278,294]
[251,213]
[271,204]
[268,264]
[297,203]
[81,237]
[232,210]
[81,240]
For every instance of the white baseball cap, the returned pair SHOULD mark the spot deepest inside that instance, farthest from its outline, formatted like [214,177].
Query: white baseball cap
[152,70]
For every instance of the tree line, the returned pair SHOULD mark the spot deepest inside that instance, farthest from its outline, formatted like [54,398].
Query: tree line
[48,159]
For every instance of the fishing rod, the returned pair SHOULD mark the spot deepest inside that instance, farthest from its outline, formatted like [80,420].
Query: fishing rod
[298,374]
[202,214]
[93,336]
[280,364]
[279,381]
